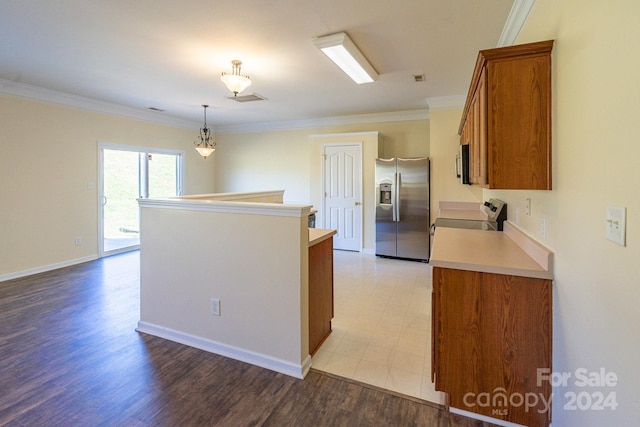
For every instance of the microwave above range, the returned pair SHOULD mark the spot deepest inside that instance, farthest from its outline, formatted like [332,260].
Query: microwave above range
[462,164]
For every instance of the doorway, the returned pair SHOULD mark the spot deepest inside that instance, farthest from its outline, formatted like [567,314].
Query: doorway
[126,174]
[342,205]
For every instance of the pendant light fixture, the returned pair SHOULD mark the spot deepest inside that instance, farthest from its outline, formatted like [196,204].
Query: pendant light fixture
[205,144]
[234,81]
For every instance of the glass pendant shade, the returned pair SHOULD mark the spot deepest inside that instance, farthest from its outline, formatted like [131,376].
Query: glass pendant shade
[235,82]
[205,151]
[205,144]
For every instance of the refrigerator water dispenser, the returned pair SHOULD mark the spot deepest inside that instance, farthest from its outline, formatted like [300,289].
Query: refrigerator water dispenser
[385,194]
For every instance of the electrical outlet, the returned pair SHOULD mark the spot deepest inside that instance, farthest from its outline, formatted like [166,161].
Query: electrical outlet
[78,241]
[215,306]
[616,223]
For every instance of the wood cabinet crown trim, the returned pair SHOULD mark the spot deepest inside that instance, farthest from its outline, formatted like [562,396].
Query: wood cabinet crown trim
[486,55]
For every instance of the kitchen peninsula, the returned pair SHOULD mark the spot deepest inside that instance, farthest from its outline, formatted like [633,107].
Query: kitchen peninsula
[229,273]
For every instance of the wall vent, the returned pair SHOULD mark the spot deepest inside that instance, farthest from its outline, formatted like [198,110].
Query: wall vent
[418,78]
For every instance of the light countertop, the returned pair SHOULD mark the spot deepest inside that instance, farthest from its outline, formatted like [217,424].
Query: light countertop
[317,235]
[510,252]
[462,214]
[461,210]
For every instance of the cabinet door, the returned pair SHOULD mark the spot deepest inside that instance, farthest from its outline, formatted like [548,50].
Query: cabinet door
[475,131]
[320,293]
[474,148]
[481,134]
[492,334]
[519,125]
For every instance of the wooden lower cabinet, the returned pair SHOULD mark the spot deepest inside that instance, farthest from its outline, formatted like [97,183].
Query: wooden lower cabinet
[491,335]
[320,293]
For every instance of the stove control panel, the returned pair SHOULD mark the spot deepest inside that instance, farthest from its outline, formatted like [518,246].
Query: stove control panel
[496,210]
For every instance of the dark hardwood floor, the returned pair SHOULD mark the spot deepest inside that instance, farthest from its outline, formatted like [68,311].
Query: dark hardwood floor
[70,356]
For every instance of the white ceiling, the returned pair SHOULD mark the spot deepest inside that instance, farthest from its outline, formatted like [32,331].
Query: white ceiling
[169,54]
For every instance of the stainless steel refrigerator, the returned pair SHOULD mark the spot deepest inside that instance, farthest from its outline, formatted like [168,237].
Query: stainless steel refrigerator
[402,208]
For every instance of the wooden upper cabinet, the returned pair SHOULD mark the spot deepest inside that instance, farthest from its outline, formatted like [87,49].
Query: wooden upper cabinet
[507,118]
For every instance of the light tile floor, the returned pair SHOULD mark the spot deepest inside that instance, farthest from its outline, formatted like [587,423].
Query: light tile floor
[382,324]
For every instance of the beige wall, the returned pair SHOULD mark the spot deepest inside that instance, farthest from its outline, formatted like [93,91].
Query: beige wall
[48,155]
[285,160]
[263,161]
[444,148]
[271,160]
[256,264]
[596,60]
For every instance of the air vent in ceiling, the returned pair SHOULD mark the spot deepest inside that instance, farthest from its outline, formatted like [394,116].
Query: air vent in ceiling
[155,109]
[418,78]
[248,98]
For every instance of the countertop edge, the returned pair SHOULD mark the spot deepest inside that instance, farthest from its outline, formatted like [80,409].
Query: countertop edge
[317,235]
[541,274]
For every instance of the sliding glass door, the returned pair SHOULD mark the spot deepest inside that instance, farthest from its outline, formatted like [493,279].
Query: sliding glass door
[163,175]
[126,174]
[121,171]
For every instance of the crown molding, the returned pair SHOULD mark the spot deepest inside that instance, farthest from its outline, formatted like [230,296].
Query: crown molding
[39,94]
[446,102]
[512,27]
[515,21]
[514,24]
[343,134]
[35,93]
[394,116]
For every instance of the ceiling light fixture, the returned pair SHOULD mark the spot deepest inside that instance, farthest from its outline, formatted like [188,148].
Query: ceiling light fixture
[235,82]
[205,144]
[341,50]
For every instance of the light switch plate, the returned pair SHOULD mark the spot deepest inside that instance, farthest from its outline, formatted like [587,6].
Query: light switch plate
[616,223]
[215,306]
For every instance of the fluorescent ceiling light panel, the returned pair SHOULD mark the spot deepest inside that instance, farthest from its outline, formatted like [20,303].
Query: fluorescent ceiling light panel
[341,50]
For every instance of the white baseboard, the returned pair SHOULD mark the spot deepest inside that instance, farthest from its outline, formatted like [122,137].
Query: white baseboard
[44,268]
[483,418]
[262,360]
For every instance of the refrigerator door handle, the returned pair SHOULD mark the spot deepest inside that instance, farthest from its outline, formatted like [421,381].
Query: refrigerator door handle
[393,199]
[397,201]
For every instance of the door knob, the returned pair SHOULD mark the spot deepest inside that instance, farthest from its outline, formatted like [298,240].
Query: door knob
[357,203]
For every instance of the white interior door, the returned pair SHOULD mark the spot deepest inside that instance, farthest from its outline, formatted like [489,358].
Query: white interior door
[343,194]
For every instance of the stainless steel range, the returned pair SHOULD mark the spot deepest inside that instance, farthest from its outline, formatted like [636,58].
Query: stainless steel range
[496,211]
